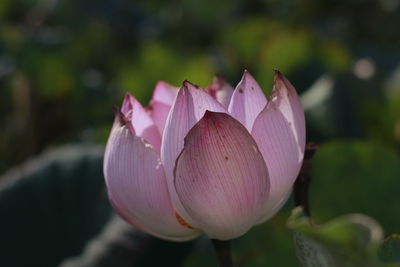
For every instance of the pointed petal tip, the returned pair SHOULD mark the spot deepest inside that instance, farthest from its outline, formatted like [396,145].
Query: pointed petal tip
[187,84]
[246,73]
[282,84]
[119,116]
[127,103]
[247,100]
[128,96]
[161,83]
[208,114]
[247,77]
[213,115]
[218,79]
[278,76]
[277,72]
[164,92]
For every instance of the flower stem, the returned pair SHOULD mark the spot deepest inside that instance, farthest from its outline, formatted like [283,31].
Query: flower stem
[223,250]
[303,180]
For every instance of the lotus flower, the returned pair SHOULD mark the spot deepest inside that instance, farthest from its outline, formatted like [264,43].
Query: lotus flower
[215,161]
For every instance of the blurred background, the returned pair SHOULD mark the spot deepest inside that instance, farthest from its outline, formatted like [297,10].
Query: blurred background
[65,64]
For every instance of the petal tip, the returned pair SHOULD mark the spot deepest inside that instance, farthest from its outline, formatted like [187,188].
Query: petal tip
[278,77]
[119,116]
[210,115]
[127,103]
[247,78]
[128,97]
[247,74]
[162,83]
[277,72]
[121,120]
[218,80]
[188,85]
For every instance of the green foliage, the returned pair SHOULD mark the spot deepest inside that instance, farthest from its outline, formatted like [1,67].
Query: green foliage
[356,177]
[51,206]
[350,240]
[390,249]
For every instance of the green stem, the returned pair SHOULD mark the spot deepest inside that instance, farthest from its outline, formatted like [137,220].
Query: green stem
[223,251]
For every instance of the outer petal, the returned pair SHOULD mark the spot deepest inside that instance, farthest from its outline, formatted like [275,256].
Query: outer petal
[221,90]
[161,102]
[188,108]
[287,100]
[221,177]
[141,121]
[247,101]
[279,131]
[137,186]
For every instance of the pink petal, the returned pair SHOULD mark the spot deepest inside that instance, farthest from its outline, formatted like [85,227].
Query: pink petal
[189,107]
[137,186]
[221,90]
[286,98]
[141,121]
[279,131]
[221,178]
[247,101]
[161,102]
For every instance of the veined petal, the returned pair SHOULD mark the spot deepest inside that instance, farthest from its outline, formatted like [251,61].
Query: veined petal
[221,178]
[161,102]
[141,121]
[137,187]
[221,90]
[279,131]
[164,93]
[189,107]
[285,97]
[247,101]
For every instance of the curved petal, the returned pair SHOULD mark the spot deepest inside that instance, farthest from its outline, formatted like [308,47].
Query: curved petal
[279,131]
[188,108]
[288,101]
[137,187]
[161,102]
[221,90]
[141,121]
[247,101]
[221,177]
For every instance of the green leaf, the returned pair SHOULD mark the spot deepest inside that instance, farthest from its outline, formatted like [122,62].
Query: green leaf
[390,250]
[356,177]
[350,240]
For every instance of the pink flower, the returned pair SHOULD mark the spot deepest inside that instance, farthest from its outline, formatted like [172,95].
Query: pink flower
[217,161]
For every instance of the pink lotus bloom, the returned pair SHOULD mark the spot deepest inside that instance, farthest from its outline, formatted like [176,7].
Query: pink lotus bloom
[215,161]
